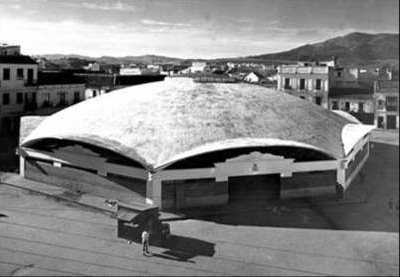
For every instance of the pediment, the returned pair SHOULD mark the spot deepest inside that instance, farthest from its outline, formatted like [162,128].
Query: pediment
[255,156]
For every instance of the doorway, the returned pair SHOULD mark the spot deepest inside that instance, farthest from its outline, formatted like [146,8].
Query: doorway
[257,188]
[380,122]
[391,122]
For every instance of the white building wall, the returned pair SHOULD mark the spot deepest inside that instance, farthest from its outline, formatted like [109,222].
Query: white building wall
[94,92]
[252,78]
[15,86]
[52,93]
[14,81]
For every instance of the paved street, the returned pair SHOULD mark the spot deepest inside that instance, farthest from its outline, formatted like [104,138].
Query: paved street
[358,236]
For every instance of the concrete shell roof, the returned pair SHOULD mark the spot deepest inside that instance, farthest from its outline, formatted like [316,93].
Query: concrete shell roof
[161,122]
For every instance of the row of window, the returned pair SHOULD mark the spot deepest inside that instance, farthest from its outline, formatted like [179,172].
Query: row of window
[19,100]
[20,97]
[20,74]
[391,104]
[335,106]
[302,85]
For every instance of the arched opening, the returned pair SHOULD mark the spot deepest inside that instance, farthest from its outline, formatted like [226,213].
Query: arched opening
[53,144]
[299,154]
[85,168]
[250,176]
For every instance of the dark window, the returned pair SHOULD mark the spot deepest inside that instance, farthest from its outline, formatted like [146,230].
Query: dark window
[6,74]
[30,76]
[76,97]
[62,99]
[287,83]
[361,107]
[302,97]
[347,106]
[335,105]
[391,103]
[381,122]
[339,74]
[391,122]
[20,97]
[302,83]
[6,98]
[318,84]
[20,73]
[381,104]
[318,100]
[94,93]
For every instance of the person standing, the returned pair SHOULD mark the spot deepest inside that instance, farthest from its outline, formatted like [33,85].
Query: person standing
[145,242]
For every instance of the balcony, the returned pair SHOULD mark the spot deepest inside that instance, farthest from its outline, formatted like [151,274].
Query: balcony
[391,108]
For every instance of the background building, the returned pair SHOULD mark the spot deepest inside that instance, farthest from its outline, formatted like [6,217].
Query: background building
[18,78]
[386,96]
[359,102]
[57,90]
[9,50]
[308,81]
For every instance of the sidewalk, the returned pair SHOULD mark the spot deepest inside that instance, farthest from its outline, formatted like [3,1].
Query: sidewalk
[88,201]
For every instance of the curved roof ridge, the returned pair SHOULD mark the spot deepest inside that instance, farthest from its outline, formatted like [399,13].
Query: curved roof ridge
[239,143]
[155,122]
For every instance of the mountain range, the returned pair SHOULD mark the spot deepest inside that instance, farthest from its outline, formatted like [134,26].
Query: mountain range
[355,49]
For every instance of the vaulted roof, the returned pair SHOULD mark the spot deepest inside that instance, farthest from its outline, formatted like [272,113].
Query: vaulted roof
[161,122]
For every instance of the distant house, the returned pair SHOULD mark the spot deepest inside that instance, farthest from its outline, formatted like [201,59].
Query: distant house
[253,77]
[358,102]
[386,97]
[18,76]
[92,67]
[310,81]
[130,71]
[59,89]
[100,83]
[9,50]
[197,67]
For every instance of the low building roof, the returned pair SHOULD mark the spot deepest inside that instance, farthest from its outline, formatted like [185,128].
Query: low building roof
[58,78]
[345,91]
[352,96]
[159,123]
[388,85]
[16,59]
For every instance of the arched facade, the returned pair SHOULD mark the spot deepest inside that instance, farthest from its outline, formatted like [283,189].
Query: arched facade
[181,144]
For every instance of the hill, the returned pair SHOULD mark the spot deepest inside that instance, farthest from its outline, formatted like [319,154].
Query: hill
[354,48]
[145,59]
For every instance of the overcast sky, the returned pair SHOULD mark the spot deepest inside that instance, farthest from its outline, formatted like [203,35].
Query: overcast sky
[187,29]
